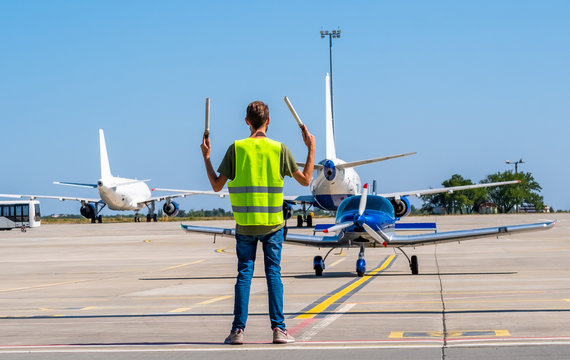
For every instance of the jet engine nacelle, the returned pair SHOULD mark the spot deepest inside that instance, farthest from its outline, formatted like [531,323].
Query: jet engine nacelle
[401,207]
[171,208]
[88,211]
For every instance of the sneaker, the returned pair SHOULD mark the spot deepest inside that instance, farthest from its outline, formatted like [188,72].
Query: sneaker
[235,337]
[281,336]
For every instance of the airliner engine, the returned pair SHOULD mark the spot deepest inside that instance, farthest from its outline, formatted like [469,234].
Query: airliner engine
[401,207]
[88,211]
[171,208]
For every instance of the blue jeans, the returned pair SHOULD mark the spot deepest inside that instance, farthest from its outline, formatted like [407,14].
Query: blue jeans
[246,247]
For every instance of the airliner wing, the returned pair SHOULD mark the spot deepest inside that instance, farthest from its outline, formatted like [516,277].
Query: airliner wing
[299,239]
[60,198]
[185,193]
[460,235]
[362,162]
[303,199]
[451,189]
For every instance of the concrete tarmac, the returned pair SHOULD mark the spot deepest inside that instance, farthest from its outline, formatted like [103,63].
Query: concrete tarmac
[152,291]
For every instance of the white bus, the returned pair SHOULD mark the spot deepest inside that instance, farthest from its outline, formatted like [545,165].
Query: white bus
[20,214]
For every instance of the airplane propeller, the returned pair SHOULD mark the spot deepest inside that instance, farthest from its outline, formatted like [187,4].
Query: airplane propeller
[361,221]
[379,239]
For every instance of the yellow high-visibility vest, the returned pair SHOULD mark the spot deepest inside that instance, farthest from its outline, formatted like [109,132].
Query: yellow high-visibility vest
[256,192]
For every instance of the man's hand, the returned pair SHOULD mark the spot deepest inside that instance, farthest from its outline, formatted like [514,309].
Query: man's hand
[308,138]
[206,148]
[304,177]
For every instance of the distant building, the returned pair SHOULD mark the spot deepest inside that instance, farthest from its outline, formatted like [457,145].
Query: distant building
[488,208]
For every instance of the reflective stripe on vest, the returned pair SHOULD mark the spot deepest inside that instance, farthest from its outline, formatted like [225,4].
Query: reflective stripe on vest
[256,192]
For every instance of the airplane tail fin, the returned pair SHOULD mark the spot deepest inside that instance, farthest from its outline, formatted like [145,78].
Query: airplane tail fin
[330,146]
[105,167]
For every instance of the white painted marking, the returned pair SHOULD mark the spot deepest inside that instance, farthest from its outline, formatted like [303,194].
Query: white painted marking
[326,322]
[313,346]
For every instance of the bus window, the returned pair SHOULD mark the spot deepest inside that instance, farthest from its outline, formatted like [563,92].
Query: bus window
[19,213]
[38,216]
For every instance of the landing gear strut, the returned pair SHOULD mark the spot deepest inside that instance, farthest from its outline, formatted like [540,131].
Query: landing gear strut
[151,216]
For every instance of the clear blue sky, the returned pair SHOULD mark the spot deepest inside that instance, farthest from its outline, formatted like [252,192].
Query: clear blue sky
[466,84]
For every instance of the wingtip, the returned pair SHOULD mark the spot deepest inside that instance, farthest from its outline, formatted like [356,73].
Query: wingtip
[365,186]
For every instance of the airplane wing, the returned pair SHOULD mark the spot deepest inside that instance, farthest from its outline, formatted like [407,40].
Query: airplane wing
[362,162]
[460,235]
[418,193]
[298,239]
[184,193]
[60,198]
[193,192]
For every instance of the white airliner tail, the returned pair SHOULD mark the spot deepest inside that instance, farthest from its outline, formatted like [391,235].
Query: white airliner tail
[105,167]
[330,146]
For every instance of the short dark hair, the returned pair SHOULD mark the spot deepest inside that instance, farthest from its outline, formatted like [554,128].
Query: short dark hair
[257,114]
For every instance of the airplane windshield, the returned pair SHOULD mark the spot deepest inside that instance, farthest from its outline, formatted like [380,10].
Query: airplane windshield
[377,203]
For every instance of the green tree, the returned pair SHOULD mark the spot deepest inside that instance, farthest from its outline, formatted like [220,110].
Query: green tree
[506,197]
[464,201]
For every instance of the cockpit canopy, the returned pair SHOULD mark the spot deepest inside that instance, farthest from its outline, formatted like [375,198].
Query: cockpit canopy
[373,202]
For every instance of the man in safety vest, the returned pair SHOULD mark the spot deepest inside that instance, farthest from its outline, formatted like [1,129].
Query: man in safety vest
[256,166]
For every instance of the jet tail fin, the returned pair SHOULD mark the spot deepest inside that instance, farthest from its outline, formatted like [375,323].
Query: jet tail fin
[105,167]
[330,146]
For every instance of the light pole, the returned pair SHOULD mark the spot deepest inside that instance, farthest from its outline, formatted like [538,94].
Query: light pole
[335,34]
[516,163]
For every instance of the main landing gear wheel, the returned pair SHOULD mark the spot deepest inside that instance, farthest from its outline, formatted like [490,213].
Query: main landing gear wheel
[414,265]
[318,265]
[100,219]
[301,219]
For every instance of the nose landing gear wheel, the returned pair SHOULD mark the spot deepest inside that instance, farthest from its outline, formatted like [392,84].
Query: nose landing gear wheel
[360,267]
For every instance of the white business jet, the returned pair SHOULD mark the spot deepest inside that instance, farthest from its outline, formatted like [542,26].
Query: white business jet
[118,193]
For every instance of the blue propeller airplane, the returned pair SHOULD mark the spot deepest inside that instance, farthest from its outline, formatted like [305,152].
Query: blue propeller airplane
[369,221]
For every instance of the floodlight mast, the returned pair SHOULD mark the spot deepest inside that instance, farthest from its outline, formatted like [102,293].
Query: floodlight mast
[334,34]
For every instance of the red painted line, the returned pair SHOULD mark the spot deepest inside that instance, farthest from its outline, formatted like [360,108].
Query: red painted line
[303,324]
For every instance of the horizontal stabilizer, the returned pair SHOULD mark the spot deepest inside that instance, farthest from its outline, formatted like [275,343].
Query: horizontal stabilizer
[75,184]
[363,162]
[417,226]
[315,166]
